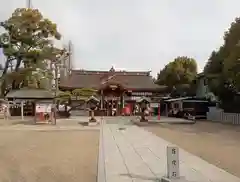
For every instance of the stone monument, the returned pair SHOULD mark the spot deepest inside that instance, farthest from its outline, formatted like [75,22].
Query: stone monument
[173,172]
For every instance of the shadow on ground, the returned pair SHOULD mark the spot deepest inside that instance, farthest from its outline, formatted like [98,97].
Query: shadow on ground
[26,123]
[137,176]
[216,143]
[200,127]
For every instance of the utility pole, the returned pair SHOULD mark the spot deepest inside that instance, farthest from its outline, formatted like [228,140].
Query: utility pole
[56,77]
[57,64]
[52,79]
[70,50]
[29,3]
[55,91]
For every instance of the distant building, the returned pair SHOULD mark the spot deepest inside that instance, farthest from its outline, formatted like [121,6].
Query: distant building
[202,87]
[203,90]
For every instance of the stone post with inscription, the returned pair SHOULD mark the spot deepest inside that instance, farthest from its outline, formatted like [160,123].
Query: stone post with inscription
[173,172]
[173,162]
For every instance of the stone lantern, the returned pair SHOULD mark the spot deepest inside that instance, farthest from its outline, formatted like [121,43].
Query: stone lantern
[92,103]
[143,102]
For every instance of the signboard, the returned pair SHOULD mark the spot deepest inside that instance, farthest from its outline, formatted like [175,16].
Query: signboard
[113,86]
[40,108]
[135,98]
[43,108]
[154,105]
[172,162]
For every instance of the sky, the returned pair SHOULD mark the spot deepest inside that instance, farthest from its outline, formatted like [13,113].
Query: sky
[141,35]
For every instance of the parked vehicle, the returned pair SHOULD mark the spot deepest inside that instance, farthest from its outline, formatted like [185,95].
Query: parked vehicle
[194,108]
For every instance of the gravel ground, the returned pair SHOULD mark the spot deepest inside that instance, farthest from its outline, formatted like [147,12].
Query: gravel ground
[48,156]
[216,143]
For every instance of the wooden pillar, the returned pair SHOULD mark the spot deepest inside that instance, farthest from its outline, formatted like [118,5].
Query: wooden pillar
[159,111]
[102,99]
[7,110]
[22,114]
[122,104]
[166,109]
[123,100]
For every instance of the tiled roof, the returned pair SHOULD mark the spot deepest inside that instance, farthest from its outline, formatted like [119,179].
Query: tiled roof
[30,93]
[97,80]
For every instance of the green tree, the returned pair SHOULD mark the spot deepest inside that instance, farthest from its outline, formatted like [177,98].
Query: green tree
[223,66]
[28,44]
[178,74]
[63,97]
[80,94]
[83,93]
[222,69]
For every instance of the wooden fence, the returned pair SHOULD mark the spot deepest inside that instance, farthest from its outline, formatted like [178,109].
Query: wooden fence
[218,115]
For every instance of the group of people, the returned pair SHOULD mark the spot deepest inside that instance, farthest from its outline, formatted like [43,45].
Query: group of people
[133,110]
[147,111]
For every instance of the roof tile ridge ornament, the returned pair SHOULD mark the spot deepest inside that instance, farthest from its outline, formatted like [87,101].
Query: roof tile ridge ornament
[112,69]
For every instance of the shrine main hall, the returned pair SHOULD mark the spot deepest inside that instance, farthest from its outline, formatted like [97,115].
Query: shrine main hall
[115,89]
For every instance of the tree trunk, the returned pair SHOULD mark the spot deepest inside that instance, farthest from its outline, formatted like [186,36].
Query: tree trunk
[4,84]
[6,66]
[14,86]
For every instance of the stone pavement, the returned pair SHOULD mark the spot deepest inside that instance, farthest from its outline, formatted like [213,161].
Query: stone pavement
[136,155]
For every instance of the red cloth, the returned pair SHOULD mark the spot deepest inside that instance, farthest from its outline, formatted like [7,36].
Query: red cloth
[127,110]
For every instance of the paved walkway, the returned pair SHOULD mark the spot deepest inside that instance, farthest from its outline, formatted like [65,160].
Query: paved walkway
[135,155]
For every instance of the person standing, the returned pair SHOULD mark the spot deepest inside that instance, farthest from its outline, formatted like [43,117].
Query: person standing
[5,112]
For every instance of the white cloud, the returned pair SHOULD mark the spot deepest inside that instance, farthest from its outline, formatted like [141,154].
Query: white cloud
[136,34]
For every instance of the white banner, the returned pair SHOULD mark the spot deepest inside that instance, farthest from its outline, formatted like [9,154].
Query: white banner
[43,108]
[40,108]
